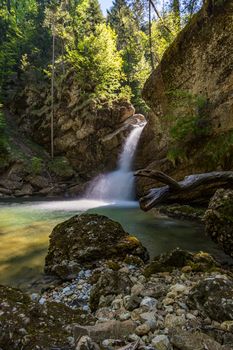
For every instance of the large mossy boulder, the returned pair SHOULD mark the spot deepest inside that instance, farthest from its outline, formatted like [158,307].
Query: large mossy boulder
[28,325]
[219,220]
[87,239]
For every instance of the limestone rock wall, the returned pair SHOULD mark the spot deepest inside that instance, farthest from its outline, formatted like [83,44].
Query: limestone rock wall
[198,65]
[88,132]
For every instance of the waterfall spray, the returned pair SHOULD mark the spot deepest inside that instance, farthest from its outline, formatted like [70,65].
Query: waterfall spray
[119,184]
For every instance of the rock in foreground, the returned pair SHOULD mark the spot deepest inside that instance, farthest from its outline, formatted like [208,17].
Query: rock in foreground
[87,239]
[213,295]
[219,220]
[27,325]
[114,305]
[178,258]
[194,340]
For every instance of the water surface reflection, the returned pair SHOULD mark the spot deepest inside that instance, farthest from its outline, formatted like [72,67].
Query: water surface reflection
[25,227]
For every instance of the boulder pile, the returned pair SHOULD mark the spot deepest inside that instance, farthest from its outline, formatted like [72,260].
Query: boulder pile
[109,297]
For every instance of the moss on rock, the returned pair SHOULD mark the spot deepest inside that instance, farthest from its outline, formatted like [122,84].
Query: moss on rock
[28,325]
[219,220]
[110,283]
[178,259]
[190,125]
[213,295]
[183,212]
[86,239]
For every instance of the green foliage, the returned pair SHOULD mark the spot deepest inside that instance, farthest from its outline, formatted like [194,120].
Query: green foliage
[98,63]
[189,123]
[88,16]
[60,166]
[35,165]
[190,128]
[105,62]
[216,152]
[20,33]
[161,36]
[187,128]
[176,153]
[132,42]
[219,151]
[190,116]
[125,93]
[4,143]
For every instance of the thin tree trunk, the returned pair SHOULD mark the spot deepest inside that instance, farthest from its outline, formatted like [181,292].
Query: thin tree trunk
[150,38]
[192,4]
[8,4]
[52,94]
[158,15]
[63,58]
[176,11]
[128,62]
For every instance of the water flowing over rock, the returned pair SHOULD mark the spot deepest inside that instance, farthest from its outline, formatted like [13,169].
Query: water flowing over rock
[88,239]
[119,184]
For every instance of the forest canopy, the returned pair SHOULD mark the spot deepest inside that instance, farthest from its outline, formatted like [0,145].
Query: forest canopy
[110,56]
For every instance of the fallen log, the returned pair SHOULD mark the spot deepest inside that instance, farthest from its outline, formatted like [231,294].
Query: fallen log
[194,189]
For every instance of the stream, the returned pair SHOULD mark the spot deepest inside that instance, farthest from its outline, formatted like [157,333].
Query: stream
[25,226]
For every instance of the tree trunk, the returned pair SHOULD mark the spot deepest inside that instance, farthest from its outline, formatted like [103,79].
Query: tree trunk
[150,39]
[176,11]
[158,15]
[52,94]
[8,4]
[194,189]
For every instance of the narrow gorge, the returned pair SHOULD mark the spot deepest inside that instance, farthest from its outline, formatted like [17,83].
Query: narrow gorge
[116,175]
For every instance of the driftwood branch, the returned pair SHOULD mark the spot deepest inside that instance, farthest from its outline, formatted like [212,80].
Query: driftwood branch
[194,189]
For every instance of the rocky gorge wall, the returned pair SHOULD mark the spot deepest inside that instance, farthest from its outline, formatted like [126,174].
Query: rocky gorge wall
[88,133]
[190,127]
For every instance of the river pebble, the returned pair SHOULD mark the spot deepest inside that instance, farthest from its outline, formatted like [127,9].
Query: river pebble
[156,305]
[74,294]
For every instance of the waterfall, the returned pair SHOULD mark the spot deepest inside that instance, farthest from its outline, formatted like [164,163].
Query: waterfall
[118,184]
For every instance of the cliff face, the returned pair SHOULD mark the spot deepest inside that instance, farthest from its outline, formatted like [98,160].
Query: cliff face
[88,137]
[88,132]
[190,94]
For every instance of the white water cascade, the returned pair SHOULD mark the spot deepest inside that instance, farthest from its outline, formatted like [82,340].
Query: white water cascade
[119,184]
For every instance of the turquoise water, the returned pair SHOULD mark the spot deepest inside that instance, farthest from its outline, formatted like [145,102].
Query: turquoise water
[25,227]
